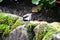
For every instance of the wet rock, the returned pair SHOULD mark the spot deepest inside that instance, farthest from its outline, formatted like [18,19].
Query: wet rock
[19,33]
[56,36]
[39,32]
[40,24]
[0,10]
[36,28]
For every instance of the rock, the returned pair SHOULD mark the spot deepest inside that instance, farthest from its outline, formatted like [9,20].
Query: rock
[39,31]
[40,24]
[36,28]
[0,10]
[55,24]
[56,36]
[19,33]
[16,31]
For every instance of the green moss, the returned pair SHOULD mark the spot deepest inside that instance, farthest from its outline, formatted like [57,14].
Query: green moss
[17,23]
[11,20]
[40,32]
[2,18]
[45,32]
[48,34]
[6,31]
[7,19]
[51,30]
[3,27]
[30,26]
[2,15]
[8,22]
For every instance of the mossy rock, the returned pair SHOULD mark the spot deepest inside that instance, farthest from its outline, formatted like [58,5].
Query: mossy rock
[30,26]
[45,31]
[8,22]
[41,31]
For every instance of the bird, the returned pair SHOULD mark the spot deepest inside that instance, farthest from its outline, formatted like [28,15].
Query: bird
[27,17]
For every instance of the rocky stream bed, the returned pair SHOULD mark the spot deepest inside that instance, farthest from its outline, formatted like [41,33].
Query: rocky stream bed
[13,27]
[43,25]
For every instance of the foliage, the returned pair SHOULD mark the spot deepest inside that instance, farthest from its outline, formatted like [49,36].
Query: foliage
[1,0]
[35,2]
[44,3]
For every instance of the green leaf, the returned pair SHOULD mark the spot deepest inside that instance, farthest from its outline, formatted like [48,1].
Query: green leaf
[35,2]
[40,7]
[1,0]
[51,1]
